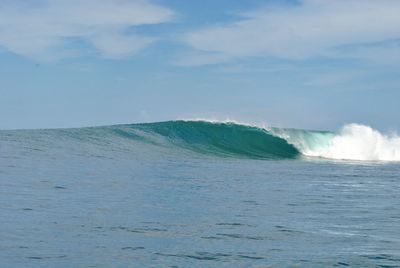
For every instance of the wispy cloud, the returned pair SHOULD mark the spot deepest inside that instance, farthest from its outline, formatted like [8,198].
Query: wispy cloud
[307,29]
[47,29]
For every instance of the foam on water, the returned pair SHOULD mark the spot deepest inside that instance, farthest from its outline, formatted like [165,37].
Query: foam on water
[356,142]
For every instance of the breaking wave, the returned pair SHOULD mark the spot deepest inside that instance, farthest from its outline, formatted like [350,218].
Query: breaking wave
[228,139]
[352,142]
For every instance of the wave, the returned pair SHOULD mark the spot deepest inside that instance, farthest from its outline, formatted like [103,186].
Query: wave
[352,142]
[223,139]
[229,139]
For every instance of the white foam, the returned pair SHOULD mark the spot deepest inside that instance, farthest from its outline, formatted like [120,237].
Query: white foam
[359,142]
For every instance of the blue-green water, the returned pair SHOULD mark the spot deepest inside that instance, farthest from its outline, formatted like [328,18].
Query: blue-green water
[192,194]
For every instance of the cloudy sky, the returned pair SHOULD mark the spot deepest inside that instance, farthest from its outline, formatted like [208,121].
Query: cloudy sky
[307,64]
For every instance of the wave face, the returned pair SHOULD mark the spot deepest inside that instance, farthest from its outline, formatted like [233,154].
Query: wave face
[223,139]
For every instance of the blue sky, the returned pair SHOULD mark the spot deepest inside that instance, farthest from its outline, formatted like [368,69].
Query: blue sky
[306,64]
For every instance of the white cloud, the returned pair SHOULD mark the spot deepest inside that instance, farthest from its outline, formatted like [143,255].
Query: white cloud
[118,45]
[45,29]
[311,28]
[382,53]
[201,58]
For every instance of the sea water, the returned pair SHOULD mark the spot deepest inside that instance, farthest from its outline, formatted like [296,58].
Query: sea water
[194,194]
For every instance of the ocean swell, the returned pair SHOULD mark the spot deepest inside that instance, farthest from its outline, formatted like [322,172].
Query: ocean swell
[223,139]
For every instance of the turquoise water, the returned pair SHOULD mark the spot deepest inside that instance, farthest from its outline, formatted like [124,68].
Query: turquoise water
[192,194]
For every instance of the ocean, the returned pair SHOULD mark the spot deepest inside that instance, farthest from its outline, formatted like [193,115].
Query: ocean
[199,194]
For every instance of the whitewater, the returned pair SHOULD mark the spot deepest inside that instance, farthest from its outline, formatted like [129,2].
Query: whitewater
[352,142]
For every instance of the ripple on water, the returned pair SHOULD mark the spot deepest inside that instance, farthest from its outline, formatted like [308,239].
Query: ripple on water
[132,248]
[215,257]
[138,229]
[46,257]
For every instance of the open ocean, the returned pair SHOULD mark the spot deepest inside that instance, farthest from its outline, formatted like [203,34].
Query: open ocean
[199,194]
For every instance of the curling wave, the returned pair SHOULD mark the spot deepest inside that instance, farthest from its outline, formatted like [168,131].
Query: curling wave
[223,139]
[352,142]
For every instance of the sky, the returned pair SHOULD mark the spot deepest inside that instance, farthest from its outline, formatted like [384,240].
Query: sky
[312,64]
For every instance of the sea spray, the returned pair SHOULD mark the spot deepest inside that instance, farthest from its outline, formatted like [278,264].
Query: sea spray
[359,142]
